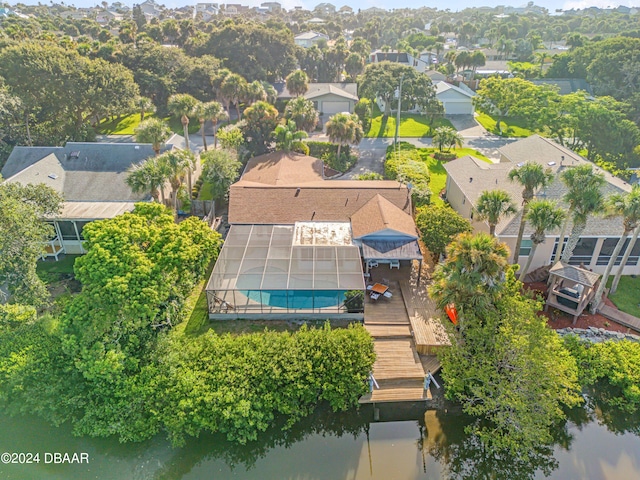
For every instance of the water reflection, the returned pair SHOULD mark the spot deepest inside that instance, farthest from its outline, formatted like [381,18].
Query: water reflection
[408,443]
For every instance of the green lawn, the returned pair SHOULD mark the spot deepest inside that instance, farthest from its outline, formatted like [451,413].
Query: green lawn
[411,125]
[127,125]
[512,127]
[49,270]
[626,297]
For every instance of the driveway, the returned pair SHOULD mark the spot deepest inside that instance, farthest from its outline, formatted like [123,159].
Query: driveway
[467,126]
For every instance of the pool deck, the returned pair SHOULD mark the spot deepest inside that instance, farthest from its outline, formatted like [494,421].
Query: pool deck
[400,334]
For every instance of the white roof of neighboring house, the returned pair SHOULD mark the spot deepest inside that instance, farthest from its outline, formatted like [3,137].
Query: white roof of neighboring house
[310,36]
[442,87]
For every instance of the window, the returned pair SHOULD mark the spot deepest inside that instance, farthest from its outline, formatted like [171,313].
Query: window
[525,248]
[608,246]
[583,252]
[67,230]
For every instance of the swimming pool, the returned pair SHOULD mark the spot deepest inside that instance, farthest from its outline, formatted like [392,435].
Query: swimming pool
[296,299]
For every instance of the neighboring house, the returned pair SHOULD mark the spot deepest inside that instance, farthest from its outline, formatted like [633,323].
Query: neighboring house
[565,85]
[90,177]
[436,76]
[105,16]
[423,63]
[297,242]
[74,14]
[232,9]
[206,10]
[468,177]
[328,98]
[271,7]
[151,8]
[456,100]
[309,39]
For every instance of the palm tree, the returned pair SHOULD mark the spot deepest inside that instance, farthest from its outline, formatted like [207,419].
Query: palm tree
[532,176]
[270,91]
[144,106]
[303,113]
[231,90]
[543,215]
[297,83]
[344,128]
[254,92]
[176,163]
[492,206]
[447,137]
[289,138]
[626,206]
[625,259]
[584,198]
[148,176]
[472,275]
[182,105]
[209,111]
[154,131]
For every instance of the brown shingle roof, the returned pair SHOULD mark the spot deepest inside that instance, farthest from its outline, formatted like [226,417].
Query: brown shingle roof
[327,200]
[380,214]
[283,168]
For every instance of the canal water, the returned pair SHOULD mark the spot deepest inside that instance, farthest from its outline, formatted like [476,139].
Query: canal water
[407,443]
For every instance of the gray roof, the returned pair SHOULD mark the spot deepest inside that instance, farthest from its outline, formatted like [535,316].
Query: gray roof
[566,85]
[346,90]
[90,176]
[474,176]
[442,87]
[575,274]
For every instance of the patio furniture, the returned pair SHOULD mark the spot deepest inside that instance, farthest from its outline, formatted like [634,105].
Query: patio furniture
[374,295]
[379,288]
[373,264]
[385,282]
[394,264]
[369,287]
[387,294]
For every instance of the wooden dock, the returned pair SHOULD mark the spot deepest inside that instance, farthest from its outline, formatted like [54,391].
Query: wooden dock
[398,368]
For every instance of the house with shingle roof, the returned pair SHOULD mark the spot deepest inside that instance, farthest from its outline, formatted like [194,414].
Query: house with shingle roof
[91,177]
[327,98]
[468,177]
[297,241]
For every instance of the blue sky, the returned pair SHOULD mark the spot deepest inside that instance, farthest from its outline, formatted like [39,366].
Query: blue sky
[453,5]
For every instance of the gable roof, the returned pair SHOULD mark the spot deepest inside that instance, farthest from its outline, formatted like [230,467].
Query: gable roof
[473,176]
[380,214]
[311,35]
[345,90]
[90,176]
[283,168]
[326,200]
[442,87]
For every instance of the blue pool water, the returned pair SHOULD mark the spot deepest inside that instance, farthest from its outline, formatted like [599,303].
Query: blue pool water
[296,299]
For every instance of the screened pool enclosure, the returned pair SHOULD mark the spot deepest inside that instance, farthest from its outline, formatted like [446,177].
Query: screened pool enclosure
[305,268]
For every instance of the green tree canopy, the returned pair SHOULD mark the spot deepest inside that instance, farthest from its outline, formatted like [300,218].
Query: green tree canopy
[260,119]
[492,206]
[154,131]
[220,168]
[438,226]
[23,210]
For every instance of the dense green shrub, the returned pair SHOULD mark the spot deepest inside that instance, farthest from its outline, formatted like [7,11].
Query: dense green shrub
[327,151]
[364,111]
[612,367]
[438,225]
[407,166]
[238,384]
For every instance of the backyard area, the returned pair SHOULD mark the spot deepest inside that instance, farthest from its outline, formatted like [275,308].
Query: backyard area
[627,296]
[437,173]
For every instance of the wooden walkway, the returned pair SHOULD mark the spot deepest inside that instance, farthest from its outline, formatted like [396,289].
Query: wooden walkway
[620,317]
[398,368]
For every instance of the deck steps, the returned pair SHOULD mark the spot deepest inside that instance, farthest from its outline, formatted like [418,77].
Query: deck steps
[396,360]
[398,391]
[388,331]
